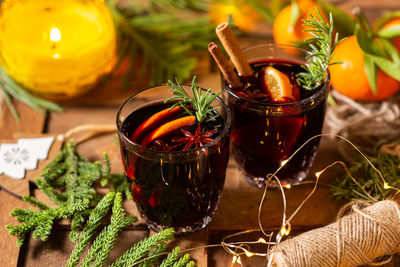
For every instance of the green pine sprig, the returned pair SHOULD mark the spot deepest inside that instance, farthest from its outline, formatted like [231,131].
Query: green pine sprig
[68,181]
[10,89]
[95,218]
[101,248]
[41,221]
[158,38]
[118,183]
[368,179]
[171,258]
[319,58]
[141,249]
[200,101]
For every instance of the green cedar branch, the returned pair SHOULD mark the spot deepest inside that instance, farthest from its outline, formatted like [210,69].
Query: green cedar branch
[98,213]
[142,248]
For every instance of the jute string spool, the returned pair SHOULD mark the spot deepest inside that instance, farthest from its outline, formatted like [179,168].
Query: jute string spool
[359,238]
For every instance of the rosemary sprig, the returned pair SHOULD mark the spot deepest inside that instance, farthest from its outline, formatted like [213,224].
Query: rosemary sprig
[319,58]
[200,101]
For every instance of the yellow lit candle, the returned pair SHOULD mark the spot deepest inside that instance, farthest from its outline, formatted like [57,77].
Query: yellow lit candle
[57,48]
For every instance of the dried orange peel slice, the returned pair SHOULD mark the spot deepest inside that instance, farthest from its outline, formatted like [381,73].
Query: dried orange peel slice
[153,121]
[168,128]
[278,85]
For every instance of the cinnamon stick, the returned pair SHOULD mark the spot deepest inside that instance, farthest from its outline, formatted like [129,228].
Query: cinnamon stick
[232,47]
[226,68]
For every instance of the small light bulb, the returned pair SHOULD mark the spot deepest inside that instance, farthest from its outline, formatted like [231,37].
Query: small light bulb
[288,186]
[386,185]
[234,259]
[283,231]
[283,163]
[287,232]
[248,253]
[262,240]
[317,174]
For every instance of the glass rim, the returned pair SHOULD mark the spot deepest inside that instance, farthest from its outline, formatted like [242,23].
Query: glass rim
[224,131]
[323,88]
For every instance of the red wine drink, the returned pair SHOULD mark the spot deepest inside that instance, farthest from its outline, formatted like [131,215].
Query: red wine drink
[267,129]
[176,165]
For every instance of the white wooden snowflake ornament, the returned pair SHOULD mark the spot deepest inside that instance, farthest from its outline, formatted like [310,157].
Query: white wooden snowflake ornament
[15,159]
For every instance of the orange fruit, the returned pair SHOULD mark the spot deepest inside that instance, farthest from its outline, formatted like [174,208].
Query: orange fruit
[244,16]
[278,85]
[394,23]
[167,128]
[350,79]
[284,33]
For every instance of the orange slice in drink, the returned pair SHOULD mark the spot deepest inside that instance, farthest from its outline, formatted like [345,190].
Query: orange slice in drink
[167,128]
[153,122]
[278,85]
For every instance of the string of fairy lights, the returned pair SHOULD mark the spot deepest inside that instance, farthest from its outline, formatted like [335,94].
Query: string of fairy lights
[239,248]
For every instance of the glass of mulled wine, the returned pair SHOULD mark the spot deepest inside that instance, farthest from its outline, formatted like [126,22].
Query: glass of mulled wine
[176,179]
[266,132]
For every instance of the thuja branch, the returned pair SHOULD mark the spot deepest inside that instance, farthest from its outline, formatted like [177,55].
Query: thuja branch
[68,181]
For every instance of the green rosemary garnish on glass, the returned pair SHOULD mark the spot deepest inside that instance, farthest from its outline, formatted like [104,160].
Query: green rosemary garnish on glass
[200,102]
[322,47]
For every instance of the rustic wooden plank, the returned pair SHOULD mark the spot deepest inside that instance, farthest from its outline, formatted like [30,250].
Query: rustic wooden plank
[8,244]
[31,121]
[194,244]
[57,249]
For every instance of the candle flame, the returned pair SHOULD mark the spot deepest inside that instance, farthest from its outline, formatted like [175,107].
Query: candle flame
[55,35]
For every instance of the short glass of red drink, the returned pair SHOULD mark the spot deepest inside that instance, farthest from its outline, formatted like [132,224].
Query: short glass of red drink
[264,133]
[176,180]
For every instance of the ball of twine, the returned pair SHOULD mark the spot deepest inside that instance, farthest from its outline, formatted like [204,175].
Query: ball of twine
[365,124]
[360,237]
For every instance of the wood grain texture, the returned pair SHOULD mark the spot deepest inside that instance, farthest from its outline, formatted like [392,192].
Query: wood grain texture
[56,250]
[31,121]
[8,244]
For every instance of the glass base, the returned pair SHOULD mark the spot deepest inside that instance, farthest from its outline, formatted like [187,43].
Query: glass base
[181,230]
[261,182]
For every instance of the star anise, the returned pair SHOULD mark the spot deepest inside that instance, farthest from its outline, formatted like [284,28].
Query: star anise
[252,94]
[159,144]
[194,140]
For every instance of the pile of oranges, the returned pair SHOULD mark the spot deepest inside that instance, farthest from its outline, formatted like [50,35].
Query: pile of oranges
[349,77]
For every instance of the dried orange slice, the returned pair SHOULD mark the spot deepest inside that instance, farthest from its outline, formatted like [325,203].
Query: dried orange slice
[153,122]
[278,85]
[168,128]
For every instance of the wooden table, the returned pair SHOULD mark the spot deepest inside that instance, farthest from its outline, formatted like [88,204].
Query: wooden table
[239,202]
